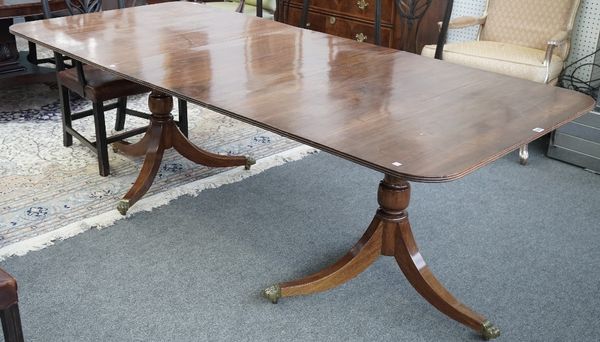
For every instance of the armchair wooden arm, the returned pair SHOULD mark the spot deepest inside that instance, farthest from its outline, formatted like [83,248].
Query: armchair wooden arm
[559,39]
[462,22]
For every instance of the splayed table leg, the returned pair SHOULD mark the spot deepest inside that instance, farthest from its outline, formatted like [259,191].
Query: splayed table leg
[389,234]
[161,135]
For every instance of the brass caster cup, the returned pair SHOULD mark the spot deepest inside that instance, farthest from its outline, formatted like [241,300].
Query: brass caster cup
[123,206]
[489,331]
[249,163]
[272,293]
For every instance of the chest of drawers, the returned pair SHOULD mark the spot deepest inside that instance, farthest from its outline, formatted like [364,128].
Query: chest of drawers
[407,28]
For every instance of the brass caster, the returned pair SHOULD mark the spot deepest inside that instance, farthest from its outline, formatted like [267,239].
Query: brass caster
[523,155]
[523,161]
[115,149]
[249,162]
[123,206]
[272,293]
[489,331]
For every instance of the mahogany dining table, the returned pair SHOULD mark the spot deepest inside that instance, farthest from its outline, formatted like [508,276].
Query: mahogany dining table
[407,116]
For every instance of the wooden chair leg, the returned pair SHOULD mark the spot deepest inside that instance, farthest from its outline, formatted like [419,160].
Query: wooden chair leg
[101,145]
[65,106]
[11,324]
[32,54]
[183,121]
[121,112]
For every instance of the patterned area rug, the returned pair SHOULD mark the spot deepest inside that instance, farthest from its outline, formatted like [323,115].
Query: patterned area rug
[50,192]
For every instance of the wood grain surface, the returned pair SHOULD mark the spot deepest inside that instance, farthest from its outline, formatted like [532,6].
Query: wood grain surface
[402,114]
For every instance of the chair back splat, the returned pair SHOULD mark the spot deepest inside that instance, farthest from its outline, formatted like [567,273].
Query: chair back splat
[73,7]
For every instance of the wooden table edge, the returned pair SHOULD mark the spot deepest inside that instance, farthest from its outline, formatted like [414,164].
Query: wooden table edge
[406,176]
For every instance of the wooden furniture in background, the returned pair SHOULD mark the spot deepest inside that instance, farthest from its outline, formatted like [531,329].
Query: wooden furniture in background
[408,27]
[21,68]
[9,308]
[15,69]
[410,117]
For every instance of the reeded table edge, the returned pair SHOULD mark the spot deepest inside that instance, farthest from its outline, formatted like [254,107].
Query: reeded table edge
[409,177]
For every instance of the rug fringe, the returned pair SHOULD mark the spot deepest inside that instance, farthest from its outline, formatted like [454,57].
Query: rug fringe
[155,201]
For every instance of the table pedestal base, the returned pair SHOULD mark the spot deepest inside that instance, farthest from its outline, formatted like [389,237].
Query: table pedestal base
[390,235]
[161,135]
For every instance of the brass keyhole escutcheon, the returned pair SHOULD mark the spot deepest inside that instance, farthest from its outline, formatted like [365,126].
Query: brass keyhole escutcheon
[332,20]
[360,37]
[362,4]
[307,24]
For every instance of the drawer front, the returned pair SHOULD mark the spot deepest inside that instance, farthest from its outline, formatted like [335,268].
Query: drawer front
[590,119]
[581,131]
[584,160]
[577,144]
[340,27]
[362,9]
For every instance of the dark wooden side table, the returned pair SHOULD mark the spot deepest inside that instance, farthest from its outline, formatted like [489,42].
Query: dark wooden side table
[15,69]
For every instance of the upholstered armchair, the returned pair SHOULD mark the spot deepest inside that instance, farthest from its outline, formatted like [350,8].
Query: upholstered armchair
[260,8]
[527,39]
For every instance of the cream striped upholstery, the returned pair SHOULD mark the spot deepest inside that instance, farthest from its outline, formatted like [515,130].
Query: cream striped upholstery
[507,59]
[529,23]
[514,38]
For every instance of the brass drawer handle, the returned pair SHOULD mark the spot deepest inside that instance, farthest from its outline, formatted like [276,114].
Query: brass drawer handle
[360,37]
[362,4]
[332,20]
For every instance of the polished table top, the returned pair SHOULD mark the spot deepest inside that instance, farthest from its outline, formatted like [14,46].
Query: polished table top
[405,115]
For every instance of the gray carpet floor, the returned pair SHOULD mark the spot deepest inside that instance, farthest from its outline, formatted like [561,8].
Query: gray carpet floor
[521,245]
